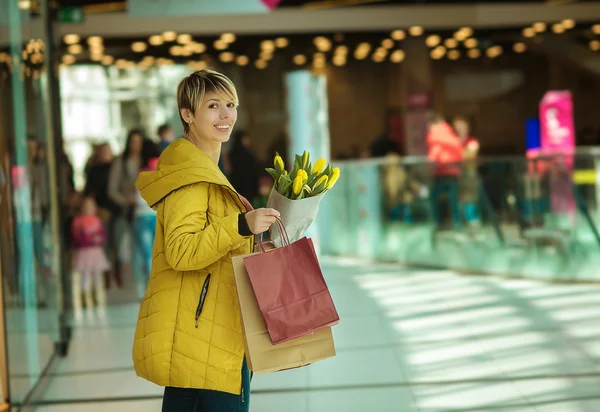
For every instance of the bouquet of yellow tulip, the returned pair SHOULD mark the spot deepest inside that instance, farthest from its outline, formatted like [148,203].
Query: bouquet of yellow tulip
[305,180]
[296,194]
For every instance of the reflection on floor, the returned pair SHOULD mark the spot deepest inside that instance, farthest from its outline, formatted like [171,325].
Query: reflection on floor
[409,340]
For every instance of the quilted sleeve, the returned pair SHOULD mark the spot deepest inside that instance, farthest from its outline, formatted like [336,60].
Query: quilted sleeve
[190,242]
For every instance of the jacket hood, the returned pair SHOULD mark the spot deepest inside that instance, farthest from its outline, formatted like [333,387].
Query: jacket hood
[181,164]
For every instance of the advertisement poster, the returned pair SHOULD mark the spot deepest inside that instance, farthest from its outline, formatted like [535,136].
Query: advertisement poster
[557,133]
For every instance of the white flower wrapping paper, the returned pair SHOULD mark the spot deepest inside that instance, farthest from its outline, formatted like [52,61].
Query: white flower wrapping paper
[296,215]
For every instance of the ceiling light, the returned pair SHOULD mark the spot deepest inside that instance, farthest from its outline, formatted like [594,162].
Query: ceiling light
[139,46]
[438,52]
[220,44]
[528,32]
[474,53]
[228,37]
[71,38]
[339,60]
[494,52]
[184,38]
[595,45]
[323,44]
[433,40]
[95,41]
[520,47]
[341,49]
[398,35]
[397,56]
[155,40]
[197,47]
[107,60]
[558,28]
[266,55]
[242,60]
[75,49]
[471,43]
[282,42]
[299,59]
[268,45]
[387,43]
[169,36]
[68,59]
[226,57]
[454,55]
[416,31]
[568,24]
[540,27]
[596,28]
[176,50]
[260,64]
[463,33]
[451,43]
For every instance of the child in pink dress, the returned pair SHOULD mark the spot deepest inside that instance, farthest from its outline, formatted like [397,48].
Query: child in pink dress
[89,261]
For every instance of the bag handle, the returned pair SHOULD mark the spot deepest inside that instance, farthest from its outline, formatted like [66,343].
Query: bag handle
[284,236]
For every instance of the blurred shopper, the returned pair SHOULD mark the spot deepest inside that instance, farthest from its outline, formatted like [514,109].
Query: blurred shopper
[121,190]
[244,167]
[446,150]
[97,187]
[470,144]
[469,184]
[89,260]
[144,224]
[189,310]
[166,134]
[383,146]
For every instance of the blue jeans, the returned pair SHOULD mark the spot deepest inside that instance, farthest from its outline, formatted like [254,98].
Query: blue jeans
[144,228]
[202,400]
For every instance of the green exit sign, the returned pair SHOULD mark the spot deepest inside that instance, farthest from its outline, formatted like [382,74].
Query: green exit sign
[70,15]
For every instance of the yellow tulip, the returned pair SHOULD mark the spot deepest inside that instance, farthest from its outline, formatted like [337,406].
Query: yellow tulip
[305,159]
[298,185]
[302,173]
[334,177]
[319,166]
[323,180]
[278,162]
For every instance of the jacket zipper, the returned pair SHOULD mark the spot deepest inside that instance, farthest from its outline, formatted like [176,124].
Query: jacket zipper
[202,298]
[243,397]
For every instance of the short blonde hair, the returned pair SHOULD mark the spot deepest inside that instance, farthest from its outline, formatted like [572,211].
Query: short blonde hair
[193,88]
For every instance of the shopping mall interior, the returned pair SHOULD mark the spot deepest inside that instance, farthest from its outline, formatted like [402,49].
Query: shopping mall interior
[460,243]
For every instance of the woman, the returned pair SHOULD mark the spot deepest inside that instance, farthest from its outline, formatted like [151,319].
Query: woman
[244,168]
[189,336]
[121,190]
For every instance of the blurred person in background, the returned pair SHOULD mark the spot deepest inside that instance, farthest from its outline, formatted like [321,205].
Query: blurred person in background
[243,174]
[462,128]
[89,260]
[446,150]
[144,224]
[96,186]
[383,145]
[469,184]
[121,190]
[166,135]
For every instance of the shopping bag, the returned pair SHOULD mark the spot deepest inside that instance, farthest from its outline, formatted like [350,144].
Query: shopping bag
[290,289]
[262,355]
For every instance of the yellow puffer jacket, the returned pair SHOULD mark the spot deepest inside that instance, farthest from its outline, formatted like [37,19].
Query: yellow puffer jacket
[184,337]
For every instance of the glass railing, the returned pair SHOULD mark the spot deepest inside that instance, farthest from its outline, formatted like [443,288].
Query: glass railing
[530,217]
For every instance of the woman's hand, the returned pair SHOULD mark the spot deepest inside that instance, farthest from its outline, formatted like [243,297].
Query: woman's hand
[260,220]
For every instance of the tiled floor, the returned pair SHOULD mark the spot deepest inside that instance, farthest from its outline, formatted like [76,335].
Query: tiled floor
[407,341]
